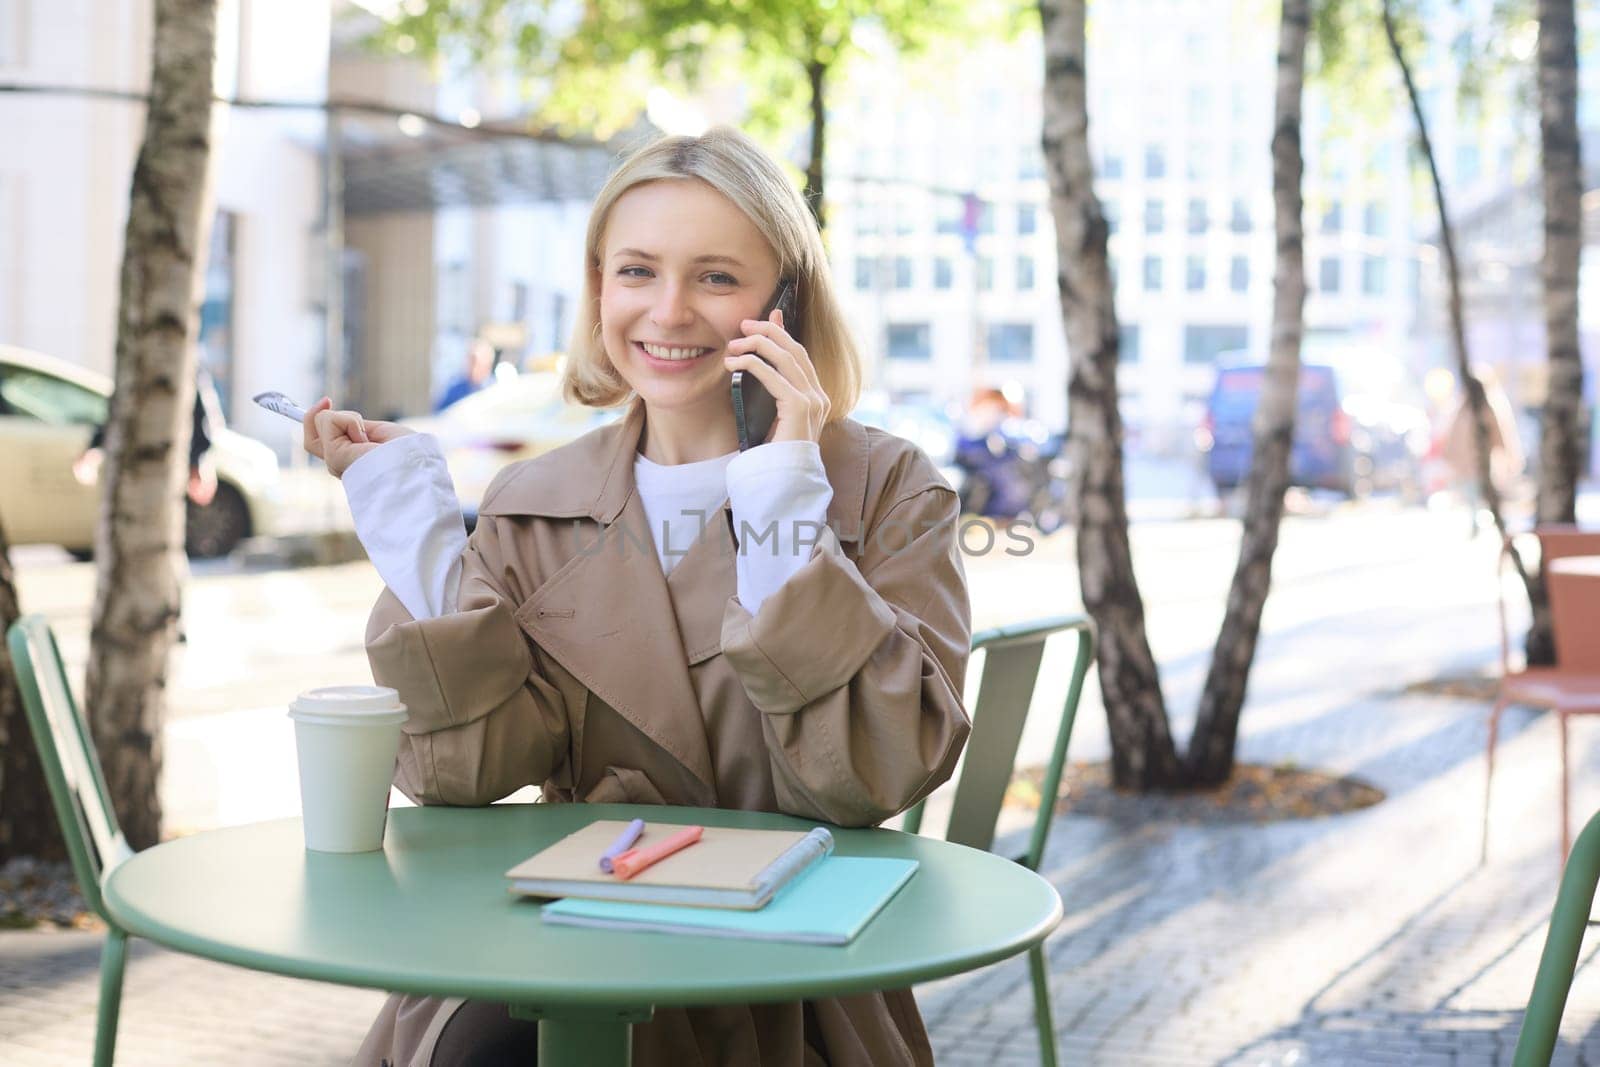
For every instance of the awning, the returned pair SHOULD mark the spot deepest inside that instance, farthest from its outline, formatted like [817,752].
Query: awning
[450,166]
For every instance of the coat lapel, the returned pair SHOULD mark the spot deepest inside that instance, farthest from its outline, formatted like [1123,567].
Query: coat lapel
[700,587]
[608,618]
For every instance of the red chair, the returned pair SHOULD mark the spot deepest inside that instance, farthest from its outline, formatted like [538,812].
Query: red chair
[1572,685]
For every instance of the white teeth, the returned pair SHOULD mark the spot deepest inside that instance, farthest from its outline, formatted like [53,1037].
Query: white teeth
[663,352]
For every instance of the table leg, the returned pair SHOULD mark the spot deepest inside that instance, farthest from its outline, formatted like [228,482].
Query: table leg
[582,1037]
[585,1043]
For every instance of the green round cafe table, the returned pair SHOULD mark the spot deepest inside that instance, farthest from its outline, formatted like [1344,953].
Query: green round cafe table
[431,914]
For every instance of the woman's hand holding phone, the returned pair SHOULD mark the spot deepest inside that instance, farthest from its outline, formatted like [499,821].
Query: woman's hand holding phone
[783,365]
[339,438]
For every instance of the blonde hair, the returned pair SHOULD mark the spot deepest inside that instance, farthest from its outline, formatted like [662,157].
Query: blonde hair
[736,167]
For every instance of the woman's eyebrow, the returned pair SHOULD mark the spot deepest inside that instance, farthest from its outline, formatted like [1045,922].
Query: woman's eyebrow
[639,253]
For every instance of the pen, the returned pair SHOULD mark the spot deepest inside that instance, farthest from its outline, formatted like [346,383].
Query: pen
[635,860]
[624,841]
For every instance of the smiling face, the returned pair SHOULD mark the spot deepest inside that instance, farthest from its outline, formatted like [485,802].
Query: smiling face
[680,268]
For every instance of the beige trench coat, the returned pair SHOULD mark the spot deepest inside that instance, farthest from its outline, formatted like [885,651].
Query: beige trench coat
[573,663]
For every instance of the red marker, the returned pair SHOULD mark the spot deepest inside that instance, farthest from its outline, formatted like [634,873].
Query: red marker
[637,859]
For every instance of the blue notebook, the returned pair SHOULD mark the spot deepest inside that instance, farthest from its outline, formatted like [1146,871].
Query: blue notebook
[827,905]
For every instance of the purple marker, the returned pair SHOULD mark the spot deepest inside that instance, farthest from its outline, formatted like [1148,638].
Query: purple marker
[624,841]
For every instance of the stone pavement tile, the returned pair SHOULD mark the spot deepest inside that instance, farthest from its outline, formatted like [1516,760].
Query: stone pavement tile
[176,1009]
[1368,938]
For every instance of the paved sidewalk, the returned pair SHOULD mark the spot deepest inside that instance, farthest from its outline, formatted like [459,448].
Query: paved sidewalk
[1370,938]
[1360,939]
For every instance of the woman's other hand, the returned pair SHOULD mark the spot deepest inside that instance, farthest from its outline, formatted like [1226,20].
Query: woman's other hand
[339,438]
[782,364]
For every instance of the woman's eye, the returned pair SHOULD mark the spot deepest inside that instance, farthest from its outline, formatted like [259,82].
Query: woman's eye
[628,272]
[719,278]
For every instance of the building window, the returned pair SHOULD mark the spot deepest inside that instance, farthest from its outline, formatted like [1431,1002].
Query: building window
[1203,344]
[905,218]
[1372,275]
[1128,344]
[1112,210]
[1372,219]
[1197,161]
[866,216]
[944,273]
[1194,274]
[1024,273]
[986,273]
[1333,218]
[902,272]
[985,217]
[949,215]
[1155,162]
[863,273]
[1027,218]
[1239,221]
[216,311]
[1152,274]
[1010,342]
[1328,274]
[1197,215]
[910,341]
[1031,166]
[1111,166]
[1155,216]
[1239,274]
[1199,105]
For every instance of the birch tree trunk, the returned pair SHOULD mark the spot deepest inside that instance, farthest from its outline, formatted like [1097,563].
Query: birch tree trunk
[1562,433]
[1477,402]
[141,526]
[1209,759]
[28,824]
[1142,752]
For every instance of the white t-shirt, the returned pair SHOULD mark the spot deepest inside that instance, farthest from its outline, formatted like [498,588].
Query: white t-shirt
[409,520]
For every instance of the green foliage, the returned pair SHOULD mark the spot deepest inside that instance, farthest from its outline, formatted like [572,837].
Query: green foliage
[591,73]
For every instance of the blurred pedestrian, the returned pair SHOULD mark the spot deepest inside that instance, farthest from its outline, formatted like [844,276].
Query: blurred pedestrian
[475,374]
[1459,447]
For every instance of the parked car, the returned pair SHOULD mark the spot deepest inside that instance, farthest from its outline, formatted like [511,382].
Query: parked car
[1350,443]
[49,410]
[518,417]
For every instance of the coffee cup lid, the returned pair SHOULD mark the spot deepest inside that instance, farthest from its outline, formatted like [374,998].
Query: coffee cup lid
[349,703]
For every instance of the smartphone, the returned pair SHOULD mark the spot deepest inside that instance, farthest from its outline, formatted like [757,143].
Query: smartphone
[754,409]
[282,405]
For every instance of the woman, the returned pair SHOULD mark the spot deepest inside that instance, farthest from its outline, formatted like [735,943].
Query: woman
[647,615]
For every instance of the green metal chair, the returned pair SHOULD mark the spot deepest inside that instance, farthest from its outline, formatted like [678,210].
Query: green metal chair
[82,802]
[1012,655]
[1559,960]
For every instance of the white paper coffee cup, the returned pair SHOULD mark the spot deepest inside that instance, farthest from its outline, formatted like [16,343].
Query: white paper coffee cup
[346,737]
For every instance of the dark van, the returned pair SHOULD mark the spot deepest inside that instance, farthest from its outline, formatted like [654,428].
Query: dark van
[1322,457]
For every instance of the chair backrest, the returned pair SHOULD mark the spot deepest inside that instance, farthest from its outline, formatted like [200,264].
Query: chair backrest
[1556,541]
[1574,613]
[1012,655]
[71,766]
[1559,542]
[1568,922]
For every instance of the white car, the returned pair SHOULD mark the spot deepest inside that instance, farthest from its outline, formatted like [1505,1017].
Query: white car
[518,417]
[49,410]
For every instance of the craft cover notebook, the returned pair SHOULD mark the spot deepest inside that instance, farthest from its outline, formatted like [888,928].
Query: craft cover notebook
[726,868]
[828,905]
